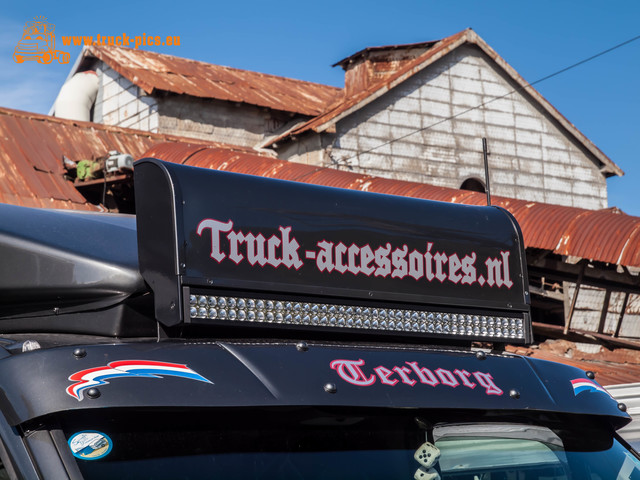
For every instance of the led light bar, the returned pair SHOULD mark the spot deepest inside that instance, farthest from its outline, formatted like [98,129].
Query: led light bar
[253,310]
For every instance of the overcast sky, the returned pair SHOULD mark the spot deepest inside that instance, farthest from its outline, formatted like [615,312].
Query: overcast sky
[303,39]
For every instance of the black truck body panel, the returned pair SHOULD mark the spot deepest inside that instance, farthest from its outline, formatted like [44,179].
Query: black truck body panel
[270,373]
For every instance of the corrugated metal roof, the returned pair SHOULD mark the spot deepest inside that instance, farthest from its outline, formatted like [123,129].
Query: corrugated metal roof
[612,224]
[354,102]
[607,235]
[544,224]
[154,71]
[32,147]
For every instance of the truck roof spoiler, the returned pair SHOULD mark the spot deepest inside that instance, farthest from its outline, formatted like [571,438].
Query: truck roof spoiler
[220,248]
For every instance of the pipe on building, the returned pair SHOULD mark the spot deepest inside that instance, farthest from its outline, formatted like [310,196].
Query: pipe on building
[77,96]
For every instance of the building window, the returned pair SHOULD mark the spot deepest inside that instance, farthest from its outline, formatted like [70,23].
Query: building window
[473,184]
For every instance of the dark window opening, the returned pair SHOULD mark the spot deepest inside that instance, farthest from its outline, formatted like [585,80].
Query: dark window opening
[474,185]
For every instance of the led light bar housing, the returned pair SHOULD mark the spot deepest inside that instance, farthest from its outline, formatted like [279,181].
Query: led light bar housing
[368,262]
[204,308]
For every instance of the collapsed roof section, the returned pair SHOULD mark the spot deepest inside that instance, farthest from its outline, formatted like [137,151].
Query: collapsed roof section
[33,149]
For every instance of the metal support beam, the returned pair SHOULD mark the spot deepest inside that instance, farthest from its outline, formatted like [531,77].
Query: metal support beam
[605,309]
[485,154]
[567,322]
[622,311]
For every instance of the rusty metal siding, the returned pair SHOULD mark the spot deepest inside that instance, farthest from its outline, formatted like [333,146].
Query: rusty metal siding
[357,79]
[153,71]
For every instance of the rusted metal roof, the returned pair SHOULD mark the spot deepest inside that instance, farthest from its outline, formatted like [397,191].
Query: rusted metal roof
[154,71]
[352,103]
[619,229]
[32,147]
[606,235]
[611,367]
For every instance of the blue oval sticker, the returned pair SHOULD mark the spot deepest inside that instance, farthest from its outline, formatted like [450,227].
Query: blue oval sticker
[90,445]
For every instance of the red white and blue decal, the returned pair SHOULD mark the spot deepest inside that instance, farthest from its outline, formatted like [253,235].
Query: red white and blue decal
[93,377]
[585,385]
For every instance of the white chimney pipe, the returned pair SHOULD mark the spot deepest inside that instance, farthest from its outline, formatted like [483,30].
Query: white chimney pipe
[77,96]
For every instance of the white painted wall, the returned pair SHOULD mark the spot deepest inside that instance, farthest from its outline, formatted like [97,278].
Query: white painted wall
[124,104]
[532,157]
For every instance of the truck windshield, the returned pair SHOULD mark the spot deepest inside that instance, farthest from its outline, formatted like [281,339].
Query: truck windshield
[313,444]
